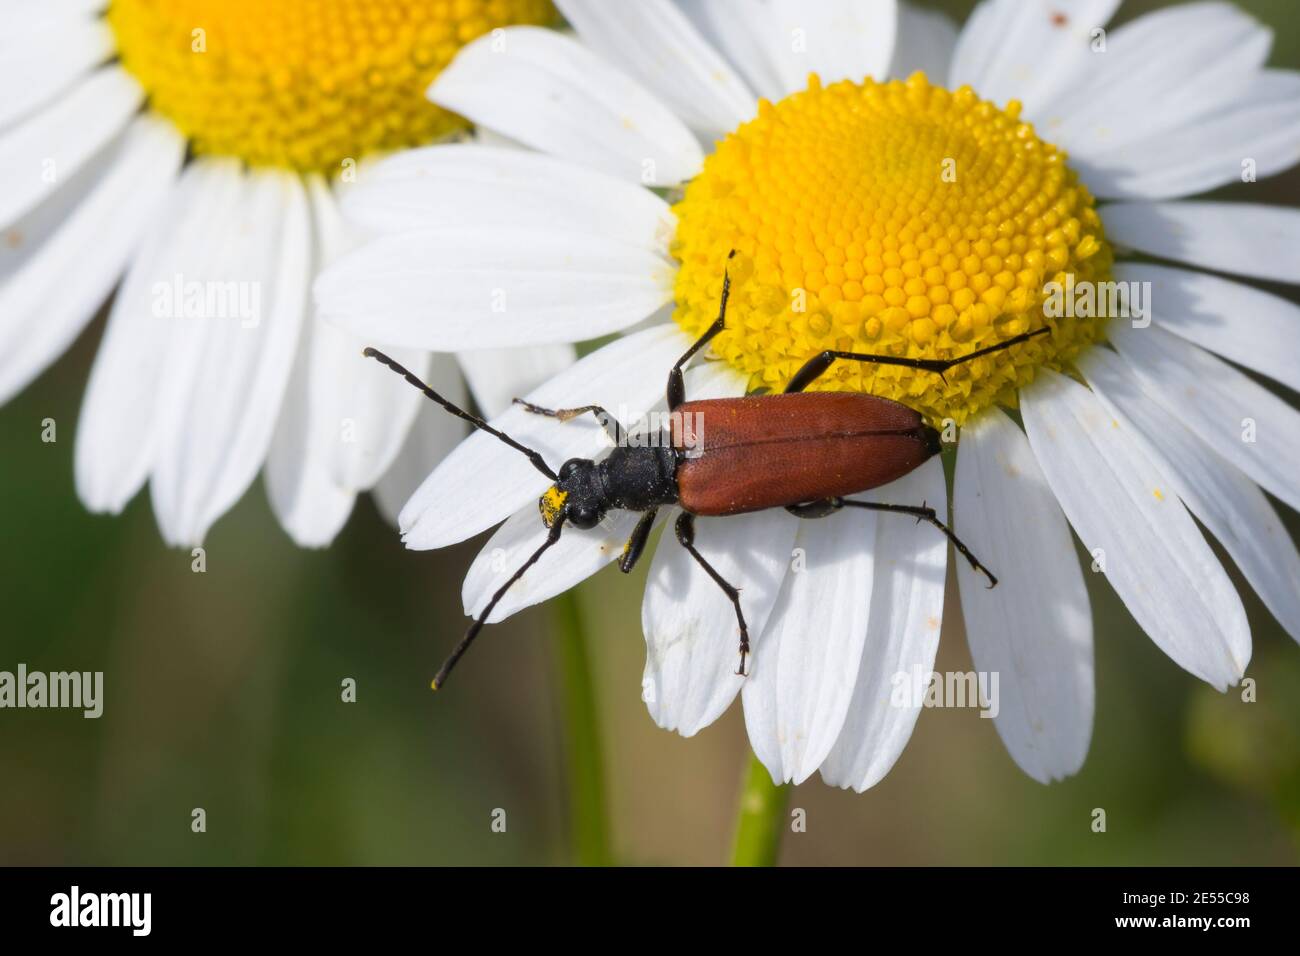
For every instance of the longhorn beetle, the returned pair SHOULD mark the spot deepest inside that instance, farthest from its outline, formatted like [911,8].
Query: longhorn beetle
[802,451]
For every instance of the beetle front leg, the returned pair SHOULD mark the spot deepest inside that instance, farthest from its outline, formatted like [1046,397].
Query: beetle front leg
[685,528]
[607,421]
[676,384]
[636,542]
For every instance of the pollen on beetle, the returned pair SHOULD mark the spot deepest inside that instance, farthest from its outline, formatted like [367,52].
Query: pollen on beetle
[551,504]
[303,84]
[892,218]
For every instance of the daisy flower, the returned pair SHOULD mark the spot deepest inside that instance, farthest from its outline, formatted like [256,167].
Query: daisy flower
[193,151]
[927,216]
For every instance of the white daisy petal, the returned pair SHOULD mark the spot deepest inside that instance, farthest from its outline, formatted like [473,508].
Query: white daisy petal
[226,376]
[692,638]
[744,30]
[20,16]
[431,439]
[1229,503]
[344,417]
[1028,50]
[69,254]
[310,507]
[978,41]
[39,155]
[1204,155]
[656,43]
[1245,325]
[39,63]
[473,287]
[1034,630]
[902,634]
[1242,238]
[580,553]
[498,376]
[549,92]
[1239,418]
[491,481]
[118,426]
[1142,85]
[836,39]
[447,186]
[813,641]
[926,42]
[1127,513]
[362,409]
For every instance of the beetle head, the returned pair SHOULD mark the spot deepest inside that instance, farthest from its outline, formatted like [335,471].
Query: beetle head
[578,494]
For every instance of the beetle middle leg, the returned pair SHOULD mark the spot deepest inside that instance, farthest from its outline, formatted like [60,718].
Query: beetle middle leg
[816,366]
[921,512]
[607,421]
[686,537]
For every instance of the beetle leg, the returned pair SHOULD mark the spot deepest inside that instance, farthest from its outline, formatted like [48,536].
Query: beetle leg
[815,509]
[676,384]
[612,428]
[924,513]
[686,537]
[816,366]
[636,543]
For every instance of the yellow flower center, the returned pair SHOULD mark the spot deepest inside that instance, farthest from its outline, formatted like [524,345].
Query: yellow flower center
[890,218]
[303,84]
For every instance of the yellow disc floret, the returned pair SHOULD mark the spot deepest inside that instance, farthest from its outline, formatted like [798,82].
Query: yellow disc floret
[303,84]
[896,218]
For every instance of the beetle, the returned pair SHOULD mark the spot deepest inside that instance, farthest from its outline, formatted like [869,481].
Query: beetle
[798,450]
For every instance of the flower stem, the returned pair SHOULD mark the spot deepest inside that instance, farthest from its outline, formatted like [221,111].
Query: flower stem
[588,823]
[760,820]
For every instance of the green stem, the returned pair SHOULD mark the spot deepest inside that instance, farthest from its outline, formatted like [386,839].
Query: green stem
[588,823]
[761,819]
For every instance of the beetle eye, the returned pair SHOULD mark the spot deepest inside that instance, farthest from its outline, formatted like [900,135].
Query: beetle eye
[583,518]
[570,468]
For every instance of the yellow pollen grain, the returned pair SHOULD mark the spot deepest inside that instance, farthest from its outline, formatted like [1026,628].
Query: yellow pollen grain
[303,84]
[891,218]
[551,504]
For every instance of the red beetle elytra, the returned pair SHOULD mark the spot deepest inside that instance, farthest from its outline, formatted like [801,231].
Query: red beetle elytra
[802,451]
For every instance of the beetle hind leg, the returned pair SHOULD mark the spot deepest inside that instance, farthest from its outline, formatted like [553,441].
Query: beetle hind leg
[685,528]
[926,513]
[921,512]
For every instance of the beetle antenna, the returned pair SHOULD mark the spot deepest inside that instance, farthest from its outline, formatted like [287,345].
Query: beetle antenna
[441,677]
[535,457]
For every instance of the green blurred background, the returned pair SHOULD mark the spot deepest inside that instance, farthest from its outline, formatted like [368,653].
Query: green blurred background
[223,692]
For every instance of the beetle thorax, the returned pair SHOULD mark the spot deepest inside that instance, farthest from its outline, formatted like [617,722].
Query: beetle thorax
[641,477]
